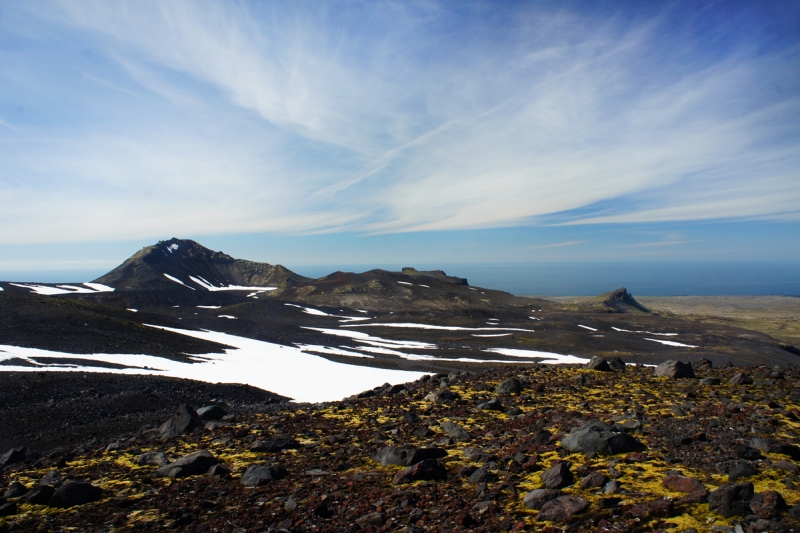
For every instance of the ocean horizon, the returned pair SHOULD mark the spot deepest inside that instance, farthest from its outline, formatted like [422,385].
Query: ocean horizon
[646,278]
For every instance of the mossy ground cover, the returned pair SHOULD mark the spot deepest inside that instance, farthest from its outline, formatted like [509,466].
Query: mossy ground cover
[332,484]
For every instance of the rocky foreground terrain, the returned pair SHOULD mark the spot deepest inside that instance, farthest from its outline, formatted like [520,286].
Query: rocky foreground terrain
[534,448]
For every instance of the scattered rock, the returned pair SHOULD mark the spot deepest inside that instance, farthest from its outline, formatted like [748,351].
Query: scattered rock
[509,386]
[275,444]
[558,476]
[492,405]
[151,458]
[515,411]
[786,465]
[743,469]
[683,484]
[442,396]
[257,475]
[598,363]
[595,480]
[661,508]
[219,470]
[597,436]
[183,421]
[75,493]
[482,475]
[741,379]
[40,495]
[406,455]
[8,509]
[190,465]
[52,478]
[674,369]
[454,431]
[15,490]
[709,381]
[429,469]
[731,499]
[562,509]
[537,498]
[208,413]
[22,454]
[371,519]
[768,504]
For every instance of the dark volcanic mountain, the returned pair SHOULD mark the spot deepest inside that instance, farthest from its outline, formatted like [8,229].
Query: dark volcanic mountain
[197,267]
[621,301]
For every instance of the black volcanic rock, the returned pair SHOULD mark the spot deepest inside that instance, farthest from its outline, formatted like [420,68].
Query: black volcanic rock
[18,455]
[75,493]
[184,421]
[621,301]
[185,259]
[597,436]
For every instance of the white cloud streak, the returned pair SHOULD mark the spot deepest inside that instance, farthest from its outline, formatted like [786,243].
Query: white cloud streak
[222,117]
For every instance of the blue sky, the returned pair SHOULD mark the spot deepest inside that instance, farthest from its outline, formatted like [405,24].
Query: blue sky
[399,132]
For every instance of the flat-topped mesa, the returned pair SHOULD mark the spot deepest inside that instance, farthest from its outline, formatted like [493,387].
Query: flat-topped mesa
[181,261]
[438,274]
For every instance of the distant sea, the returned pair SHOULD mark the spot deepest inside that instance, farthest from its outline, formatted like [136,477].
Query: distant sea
[563,279]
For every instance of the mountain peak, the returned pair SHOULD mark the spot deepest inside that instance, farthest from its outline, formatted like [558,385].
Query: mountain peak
[621,300]
[174,262]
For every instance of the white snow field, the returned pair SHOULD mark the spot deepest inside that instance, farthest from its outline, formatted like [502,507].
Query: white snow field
[284,370]
[45,290]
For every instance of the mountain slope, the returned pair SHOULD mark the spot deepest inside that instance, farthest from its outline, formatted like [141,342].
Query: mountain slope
[181,261]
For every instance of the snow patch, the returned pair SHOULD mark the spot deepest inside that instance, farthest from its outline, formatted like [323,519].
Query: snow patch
[405,283]
[587,327]
[46,290]
[546,357]
[285,370]
[672,343]
[492,335]
[227,316]
[176,280]
[133,310]
[429,326]
[208,286]
[647,332]
[209,306]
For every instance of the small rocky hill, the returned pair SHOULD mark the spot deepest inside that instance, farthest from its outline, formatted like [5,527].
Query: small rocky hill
[621,301]
[383,290]
[196,267]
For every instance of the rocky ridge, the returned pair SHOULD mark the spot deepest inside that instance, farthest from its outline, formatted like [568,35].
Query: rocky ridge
[539,448]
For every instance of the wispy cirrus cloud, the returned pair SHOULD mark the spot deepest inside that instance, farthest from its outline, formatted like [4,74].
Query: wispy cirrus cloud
[383,117]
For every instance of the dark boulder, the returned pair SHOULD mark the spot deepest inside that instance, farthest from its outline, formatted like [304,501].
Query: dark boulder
[597,436]
[732,500]
[509,386]
[75,493]
[662,508]
[406,455]
[15,490]
[562,509]
[52,478]
[151,458]
[768,504]
[8,509]
[257,475]
[190,465]
[219,470]
[429,469]
[743,469]
[183,421]
[674,369]
[275,444]
[683,484]
[208,413]
[598,363]
[595,480]
[40,495]
[454,431]
[558,476]
[537,498]
[741,379]
[710,381]
[442,396]
[492,405]
[482,475]
[22,454]
[617,364]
